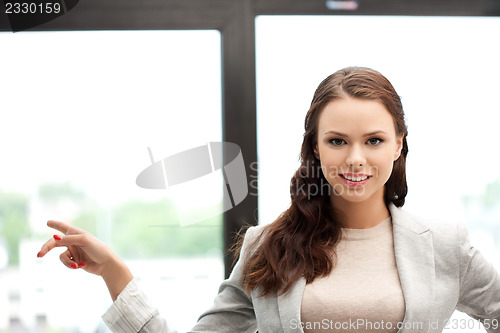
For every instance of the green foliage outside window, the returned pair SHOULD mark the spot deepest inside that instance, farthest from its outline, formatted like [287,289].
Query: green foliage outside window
[13,223]
[135,229]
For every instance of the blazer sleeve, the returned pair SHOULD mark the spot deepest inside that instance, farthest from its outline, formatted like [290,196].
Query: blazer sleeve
[231,312]
[479,294]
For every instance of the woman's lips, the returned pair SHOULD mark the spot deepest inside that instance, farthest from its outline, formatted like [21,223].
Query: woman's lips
[353,182]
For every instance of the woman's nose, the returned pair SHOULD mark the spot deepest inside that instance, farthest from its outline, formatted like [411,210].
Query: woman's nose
[355,157]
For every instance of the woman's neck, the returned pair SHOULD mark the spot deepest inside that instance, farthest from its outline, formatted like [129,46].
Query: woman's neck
[359,215]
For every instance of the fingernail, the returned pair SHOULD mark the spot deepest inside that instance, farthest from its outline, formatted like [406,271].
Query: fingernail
[80,265]
[38,255]
[74,266]
[57,237]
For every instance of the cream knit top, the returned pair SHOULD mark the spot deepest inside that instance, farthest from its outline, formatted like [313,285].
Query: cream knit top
[363,293]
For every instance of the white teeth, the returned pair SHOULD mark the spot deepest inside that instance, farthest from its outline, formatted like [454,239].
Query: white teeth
[355,179]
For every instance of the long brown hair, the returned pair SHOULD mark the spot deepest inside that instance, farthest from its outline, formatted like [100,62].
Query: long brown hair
[300,241]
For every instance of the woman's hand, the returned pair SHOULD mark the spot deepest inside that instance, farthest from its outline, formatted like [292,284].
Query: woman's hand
[87,252]
[84,250]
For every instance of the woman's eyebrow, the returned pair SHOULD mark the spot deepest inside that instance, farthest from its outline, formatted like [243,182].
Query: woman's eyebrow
[345,135]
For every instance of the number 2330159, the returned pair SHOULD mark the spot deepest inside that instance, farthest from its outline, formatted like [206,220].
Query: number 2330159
[32,8]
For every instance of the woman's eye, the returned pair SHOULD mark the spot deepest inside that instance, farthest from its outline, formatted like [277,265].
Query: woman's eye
[375,141]
[336,142]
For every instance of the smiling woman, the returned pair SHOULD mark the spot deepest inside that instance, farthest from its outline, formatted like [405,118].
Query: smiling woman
[349,254]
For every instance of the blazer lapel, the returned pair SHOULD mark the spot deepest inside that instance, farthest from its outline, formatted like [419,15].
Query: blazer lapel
[414,252]
[289,306]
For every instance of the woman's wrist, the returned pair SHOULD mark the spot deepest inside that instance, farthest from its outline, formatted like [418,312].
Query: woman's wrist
[116,275]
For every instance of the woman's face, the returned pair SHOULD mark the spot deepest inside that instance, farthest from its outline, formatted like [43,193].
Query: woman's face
[357,146]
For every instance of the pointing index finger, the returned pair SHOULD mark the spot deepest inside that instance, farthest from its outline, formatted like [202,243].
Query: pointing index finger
[63,227]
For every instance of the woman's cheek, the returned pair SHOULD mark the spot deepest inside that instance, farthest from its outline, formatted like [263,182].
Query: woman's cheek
[331,168]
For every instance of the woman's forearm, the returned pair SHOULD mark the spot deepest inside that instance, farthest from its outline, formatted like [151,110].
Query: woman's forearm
[116,275]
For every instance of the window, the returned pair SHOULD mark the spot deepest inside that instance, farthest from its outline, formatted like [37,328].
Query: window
[79,111]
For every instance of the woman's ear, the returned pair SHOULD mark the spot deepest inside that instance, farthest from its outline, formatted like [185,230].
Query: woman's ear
[316,153]
[399,146]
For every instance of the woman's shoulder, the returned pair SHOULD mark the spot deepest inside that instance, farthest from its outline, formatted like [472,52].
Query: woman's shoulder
[253,236]
[255,230]
[442,229]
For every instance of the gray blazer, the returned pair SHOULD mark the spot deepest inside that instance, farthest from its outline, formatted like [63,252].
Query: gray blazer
[439,272]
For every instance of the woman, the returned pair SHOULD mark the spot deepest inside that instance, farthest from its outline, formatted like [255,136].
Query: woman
[344,256]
